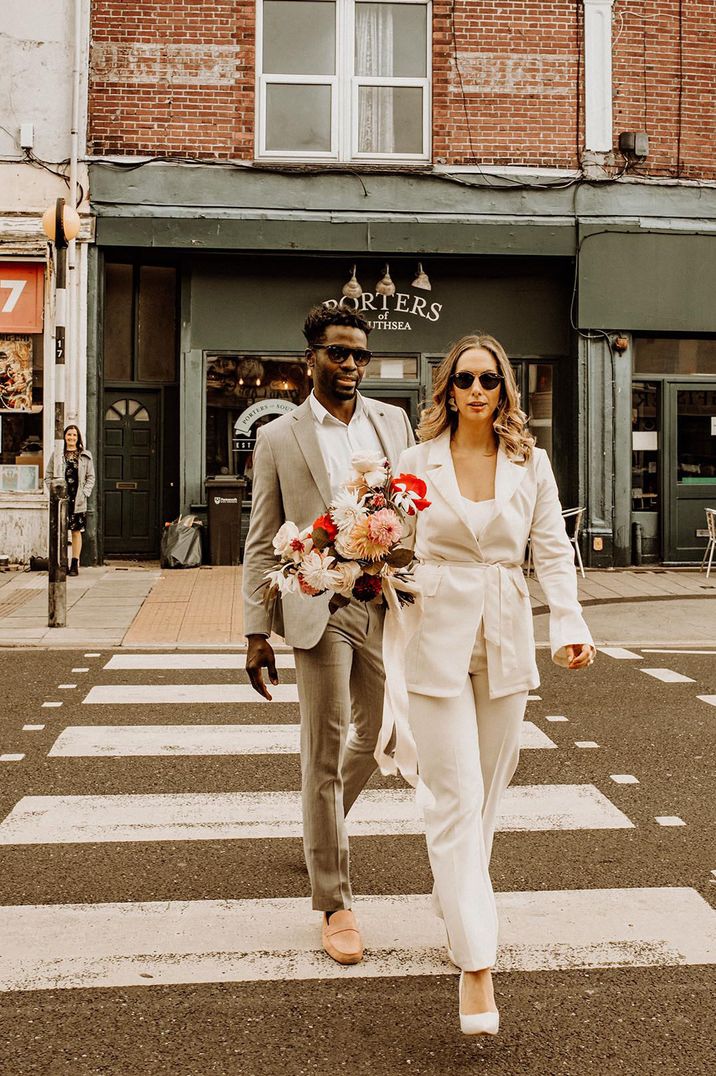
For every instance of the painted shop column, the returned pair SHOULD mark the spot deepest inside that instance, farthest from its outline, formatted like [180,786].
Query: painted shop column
[597,82]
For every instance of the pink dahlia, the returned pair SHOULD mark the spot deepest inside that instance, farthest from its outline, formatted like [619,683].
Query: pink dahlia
[385,528]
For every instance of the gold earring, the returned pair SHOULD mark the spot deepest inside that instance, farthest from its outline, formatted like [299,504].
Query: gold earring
[452,404]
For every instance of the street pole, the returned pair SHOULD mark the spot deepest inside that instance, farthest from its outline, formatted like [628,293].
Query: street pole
[57,559]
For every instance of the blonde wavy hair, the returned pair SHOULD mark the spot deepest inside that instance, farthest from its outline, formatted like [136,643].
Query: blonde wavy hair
[510,422]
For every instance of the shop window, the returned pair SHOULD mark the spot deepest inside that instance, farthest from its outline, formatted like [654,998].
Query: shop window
[645,447]
[243,392]
[21,381]
[344,79]
[696,437]
[140,316]
[539,404]
[683,356]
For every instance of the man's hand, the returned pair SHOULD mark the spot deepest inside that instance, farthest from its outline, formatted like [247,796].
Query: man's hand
[260,654]
[580,655]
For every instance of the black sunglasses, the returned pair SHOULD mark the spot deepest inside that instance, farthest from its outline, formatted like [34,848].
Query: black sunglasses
[488,379]
[339,354]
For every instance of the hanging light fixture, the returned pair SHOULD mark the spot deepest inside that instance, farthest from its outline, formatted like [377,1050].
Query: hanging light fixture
[422,280]
[385,285]
[352,288]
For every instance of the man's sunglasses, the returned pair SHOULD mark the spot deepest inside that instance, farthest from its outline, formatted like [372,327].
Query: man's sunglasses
[339,354]
[488,379]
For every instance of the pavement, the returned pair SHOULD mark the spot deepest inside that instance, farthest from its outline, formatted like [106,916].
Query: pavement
[137,604]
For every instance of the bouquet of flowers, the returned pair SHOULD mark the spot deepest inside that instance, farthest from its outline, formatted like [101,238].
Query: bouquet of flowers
[353,549]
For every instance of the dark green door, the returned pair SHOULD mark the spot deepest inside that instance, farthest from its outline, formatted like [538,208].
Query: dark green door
[129,483]
[691,422]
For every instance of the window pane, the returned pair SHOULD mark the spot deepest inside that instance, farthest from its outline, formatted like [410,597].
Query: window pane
[390,119]
[391,39]
[539,404]
[118,322]
[156,336]
[670,355]
[299,37]
[645,447]
[695,443]
[21,398]
[298,118]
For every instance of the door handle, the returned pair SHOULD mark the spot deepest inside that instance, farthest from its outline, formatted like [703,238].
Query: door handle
[126,485]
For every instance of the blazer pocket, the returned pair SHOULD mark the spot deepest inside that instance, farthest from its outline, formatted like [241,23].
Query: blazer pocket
[427,576]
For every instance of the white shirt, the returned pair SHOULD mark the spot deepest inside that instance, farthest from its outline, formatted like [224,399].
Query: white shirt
[479,513]
[338,442]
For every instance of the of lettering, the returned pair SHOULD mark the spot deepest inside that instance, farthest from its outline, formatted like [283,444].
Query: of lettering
[226,500]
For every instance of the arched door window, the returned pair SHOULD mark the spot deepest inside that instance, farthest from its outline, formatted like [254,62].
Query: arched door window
[122,409]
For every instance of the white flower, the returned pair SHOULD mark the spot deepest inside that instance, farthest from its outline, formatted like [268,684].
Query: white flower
[345,545]
[346,510]
[370,467]
[346,572]
[286,583]
[290,544]
[316,570]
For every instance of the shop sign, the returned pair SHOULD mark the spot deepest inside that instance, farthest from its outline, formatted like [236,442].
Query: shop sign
[244,440]
[21,296]
[389,311]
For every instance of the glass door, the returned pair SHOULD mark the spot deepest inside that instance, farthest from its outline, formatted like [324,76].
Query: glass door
[691,412]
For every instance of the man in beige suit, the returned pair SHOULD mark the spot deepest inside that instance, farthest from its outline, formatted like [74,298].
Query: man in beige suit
[300,462]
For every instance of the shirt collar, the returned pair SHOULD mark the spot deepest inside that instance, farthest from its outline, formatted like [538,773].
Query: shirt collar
[321,415]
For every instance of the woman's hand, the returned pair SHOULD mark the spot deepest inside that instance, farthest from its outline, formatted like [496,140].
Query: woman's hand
[579,655]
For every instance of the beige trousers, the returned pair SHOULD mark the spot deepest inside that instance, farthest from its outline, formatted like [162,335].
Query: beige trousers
[340,680]
[468,749]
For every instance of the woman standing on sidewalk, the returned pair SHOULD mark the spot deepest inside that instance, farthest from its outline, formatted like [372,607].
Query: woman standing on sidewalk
[79,476]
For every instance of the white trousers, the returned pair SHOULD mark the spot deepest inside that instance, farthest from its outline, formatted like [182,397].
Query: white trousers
[468,749]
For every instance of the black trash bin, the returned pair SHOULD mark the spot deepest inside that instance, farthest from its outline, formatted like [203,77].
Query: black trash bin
[224,495]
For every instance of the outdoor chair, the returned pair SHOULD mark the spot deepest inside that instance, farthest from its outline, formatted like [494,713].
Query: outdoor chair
[574,514]
[711,544]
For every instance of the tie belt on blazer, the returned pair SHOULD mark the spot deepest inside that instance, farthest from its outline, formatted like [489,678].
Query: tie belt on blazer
[499,609]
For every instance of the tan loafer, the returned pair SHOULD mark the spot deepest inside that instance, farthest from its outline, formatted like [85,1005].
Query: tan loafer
[341,937]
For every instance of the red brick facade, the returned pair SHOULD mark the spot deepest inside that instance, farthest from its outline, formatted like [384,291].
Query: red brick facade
[176,78]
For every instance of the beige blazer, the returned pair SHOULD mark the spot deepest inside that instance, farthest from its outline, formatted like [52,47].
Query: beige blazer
[464,581]
[290,482]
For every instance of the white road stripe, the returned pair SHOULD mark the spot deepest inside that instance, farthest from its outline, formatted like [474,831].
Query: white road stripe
[65,946]
[32,728]
[160,694]
[247,816]
[124,741]
[620,653]
[668,676]
[11,758]
[710,653]
[51,705]
[669,820]
[84,668]
[710,699]
[585,743]
[189,661]
[556,717]
[624,779]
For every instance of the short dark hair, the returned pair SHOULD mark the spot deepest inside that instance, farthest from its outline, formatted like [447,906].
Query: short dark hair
[321,316]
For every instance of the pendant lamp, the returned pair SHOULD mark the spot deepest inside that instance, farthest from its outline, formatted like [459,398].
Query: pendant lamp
[385,285]
[422,280]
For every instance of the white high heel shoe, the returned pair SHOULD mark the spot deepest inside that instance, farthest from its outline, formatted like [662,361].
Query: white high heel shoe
[479,1023]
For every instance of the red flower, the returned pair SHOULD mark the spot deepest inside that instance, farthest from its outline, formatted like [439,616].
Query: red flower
[367,587]
[325,523]
[413,489]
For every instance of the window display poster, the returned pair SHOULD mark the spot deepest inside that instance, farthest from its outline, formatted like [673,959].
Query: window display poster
[15,373]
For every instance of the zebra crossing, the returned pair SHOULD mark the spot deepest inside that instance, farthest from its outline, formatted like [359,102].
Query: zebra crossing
[177,941]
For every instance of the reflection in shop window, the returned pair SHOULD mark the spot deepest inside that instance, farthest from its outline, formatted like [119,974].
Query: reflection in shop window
[539,404]
[645,447]
[696,437]
[674,355]
[255,388]
[20,413]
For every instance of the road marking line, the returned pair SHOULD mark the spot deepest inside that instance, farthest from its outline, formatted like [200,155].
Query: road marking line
[85,668]
[585,743]
[51,705]
[620,653]
[669,820]
[556,717]
[710,653]
[124,741]
[157,943]
[11,758]
[189,661]
[668,676]
[534,698]
[710,699]
[624,779]
[92,655]
[158,694]
[33,728]
[254,815]
[66,686]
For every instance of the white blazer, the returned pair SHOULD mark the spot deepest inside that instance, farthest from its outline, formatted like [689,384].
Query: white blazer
[428,646]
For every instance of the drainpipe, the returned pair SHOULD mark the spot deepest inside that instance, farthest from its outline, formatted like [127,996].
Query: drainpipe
[74,281]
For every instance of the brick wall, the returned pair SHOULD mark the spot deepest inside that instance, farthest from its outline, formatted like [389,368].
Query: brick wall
[176,78]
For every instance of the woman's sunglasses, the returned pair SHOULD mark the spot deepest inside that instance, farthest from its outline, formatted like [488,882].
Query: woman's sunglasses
[488,379]
[339,354]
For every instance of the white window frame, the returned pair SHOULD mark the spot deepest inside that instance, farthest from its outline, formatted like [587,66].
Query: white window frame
[345,86]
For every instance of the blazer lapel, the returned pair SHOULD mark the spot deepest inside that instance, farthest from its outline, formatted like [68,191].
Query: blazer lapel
[508,477]
[444,480]
[305,431]
[376,416]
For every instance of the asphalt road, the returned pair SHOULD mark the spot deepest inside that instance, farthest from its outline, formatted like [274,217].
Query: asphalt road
[632,1019]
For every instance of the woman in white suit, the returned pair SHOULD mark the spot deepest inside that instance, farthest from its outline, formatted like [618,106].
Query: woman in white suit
[469,657]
